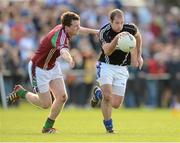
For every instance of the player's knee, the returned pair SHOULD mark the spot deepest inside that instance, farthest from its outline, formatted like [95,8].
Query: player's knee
[107,96]
[116,106]
[62,98]
[46,105]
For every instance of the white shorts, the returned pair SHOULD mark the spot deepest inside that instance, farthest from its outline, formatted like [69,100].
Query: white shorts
[40,78]
[114,75]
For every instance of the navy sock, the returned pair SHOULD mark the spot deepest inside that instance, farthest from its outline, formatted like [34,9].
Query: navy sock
[108,124]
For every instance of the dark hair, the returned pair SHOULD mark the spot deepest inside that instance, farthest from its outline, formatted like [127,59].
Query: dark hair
[68,17]
[115,12]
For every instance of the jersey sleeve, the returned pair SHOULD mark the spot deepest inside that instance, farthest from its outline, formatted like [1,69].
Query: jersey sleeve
[63,44]
[60,40]
[103,36]
[132,28]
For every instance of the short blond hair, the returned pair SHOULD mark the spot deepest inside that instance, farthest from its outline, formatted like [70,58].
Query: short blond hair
[114,13]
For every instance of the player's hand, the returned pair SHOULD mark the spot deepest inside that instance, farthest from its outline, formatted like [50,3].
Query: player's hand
[140,62]
[72,63]
[122,34]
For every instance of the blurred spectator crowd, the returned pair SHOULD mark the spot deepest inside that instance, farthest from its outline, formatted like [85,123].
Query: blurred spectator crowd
[23,24]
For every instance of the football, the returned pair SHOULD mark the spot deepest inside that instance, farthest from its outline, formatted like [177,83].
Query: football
[126,42]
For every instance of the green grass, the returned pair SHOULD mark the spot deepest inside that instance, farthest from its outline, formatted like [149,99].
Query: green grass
[85,125]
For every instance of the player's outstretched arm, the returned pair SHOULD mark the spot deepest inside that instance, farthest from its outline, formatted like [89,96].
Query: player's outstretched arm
[85,31]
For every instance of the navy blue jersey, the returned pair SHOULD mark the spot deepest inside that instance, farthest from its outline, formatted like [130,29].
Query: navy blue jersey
[118,57]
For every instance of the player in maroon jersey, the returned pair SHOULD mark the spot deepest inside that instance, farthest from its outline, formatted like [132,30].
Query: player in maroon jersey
[45,73]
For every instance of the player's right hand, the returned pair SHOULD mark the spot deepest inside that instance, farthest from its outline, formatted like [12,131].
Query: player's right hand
[72,63]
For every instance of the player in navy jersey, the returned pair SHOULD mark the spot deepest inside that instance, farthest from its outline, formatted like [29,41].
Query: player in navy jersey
[112,72]
[45,73]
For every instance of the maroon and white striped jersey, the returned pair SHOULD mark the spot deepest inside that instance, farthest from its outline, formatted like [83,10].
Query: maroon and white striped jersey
[50,46]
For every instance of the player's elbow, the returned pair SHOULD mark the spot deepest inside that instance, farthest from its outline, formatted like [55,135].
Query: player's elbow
[107,52]
[108,49]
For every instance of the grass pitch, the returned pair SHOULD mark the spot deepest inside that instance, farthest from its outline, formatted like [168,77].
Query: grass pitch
[24,124]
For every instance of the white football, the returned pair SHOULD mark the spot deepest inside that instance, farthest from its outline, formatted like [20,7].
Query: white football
[126,42]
